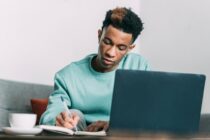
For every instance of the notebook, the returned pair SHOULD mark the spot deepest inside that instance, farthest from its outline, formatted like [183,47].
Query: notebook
[151,101]
[67,131]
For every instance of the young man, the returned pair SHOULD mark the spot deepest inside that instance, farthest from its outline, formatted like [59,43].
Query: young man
[87,85]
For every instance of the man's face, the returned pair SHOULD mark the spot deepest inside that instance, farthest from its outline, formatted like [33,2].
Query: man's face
[114,44]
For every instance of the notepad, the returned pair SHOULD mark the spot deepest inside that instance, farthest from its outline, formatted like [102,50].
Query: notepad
[67,131]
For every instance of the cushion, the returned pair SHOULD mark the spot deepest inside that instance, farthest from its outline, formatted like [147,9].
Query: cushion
[39,106]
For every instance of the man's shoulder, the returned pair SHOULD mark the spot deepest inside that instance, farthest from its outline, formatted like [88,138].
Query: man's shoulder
[135,61]
[73,66]
[85,60]
[134,57]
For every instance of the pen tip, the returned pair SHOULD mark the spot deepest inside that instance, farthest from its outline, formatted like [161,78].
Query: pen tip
[62,99]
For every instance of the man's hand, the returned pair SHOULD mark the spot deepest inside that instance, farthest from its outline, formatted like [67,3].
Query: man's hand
[97,126]
[64,120]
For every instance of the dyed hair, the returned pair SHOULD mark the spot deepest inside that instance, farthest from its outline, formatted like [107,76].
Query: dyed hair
[125,20]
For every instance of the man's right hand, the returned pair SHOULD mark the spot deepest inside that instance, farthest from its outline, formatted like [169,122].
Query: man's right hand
[64,120]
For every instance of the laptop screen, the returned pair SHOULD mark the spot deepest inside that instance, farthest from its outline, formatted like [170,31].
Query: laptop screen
[149,101]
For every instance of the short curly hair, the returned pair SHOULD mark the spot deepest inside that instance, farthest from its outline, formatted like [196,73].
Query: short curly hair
[124,19]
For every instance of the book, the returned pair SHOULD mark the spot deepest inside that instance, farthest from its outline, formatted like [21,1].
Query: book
[67,131]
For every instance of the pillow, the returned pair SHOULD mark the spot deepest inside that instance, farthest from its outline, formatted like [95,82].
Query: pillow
[38,107]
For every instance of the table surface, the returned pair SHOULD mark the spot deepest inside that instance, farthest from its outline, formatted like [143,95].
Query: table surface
[119,136]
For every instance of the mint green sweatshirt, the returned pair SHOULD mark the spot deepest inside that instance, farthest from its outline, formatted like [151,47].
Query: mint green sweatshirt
[87,90]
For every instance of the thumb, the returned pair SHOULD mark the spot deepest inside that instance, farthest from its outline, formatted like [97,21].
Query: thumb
[75,119]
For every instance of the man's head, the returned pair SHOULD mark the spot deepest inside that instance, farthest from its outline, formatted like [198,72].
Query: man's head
[125,20]
[120,29]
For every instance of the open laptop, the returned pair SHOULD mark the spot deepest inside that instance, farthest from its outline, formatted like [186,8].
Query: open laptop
[149,101]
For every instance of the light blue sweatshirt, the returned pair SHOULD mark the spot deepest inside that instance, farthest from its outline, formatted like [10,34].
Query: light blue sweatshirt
[87,90]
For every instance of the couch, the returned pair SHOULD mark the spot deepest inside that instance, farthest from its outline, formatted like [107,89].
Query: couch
[16,96]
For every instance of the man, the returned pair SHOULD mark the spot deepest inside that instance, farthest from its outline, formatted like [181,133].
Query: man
[87,85]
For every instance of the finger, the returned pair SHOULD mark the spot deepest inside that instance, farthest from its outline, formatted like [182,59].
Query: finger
[90,125]
[102,125]
[106,127]
[96,128]
[60,120]
[91,128]
[65,115]
[76,119]
[68,125]
[57,123]
[71,121]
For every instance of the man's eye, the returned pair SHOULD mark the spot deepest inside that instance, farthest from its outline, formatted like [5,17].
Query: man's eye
[122,48]
[107,42]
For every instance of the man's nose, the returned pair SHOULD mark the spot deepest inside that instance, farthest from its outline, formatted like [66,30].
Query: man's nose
[111,52]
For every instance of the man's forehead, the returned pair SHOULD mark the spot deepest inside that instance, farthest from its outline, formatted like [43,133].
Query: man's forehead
[116,34]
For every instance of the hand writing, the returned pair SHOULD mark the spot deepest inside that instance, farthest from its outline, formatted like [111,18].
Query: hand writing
[64,120]
[97,126]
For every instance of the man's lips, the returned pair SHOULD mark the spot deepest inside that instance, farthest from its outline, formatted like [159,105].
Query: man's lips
[107,61]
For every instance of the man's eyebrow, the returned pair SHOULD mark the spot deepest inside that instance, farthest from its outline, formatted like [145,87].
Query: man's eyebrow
[113,42]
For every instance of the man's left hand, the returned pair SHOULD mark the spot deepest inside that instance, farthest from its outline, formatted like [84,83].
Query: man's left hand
[97,126]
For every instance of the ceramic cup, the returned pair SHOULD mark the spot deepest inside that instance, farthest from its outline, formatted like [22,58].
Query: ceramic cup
[22,120]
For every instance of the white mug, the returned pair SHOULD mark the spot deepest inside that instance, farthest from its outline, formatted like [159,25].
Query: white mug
[22,120]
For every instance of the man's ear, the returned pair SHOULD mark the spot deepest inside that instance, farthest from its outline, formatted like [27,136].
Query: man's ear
[131,47]
[99,34]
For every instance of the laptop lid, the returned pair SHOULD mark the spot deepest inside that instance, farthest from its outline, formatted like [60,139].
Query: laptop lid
[149,101]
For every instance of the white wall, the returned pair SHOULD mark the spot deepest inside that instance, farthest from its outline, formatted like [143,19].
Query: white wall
[39,37]
[177,37]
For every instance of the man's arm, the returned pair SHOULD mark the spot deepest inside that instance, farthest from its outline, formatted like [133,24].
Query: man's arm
[56,114]
[55,106]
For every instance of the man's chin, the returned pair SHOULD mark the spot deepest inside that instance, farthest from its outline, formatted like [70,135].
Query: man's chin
[109,67]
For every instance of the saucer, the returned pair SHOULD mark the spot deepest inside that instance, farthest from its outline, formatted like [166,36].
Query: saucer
[21,131]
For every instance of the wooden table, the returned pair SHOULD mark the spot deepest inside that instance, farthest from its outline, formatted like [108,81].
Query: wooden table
[53,136]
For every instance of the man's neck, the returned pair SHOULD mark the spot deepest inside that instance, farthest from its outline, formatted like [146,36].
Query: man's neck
[96,66]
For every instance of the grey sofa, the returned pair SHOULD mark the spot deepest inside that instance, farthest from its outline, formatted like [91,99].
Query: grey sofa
[15,97]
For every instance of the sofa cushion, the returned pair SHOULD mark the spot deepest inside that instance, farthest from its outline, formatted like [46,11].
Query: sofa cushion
[39,106]
[15,97]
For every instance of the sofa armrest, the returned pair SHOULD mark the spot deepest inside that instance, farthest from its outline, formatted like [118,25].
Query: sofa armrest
[204,123]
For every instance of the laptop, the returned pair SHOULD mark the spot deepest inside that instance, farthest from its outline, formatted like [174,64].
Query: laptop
[152,101]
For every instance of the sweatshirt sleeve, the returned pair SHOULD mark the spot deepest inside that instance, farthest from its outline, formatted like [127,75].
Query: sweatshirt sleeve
[55,105]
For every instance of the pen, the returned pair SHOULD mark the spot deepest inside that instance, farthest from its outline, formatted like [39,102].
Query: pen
[67,110]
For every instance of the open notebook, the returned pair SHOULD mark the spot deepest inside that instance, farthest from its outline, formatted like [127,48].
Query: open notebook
[67,131]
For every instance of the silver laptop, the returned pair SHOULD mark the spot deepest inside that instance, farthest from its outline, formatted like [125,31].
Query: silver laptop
[149,101]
